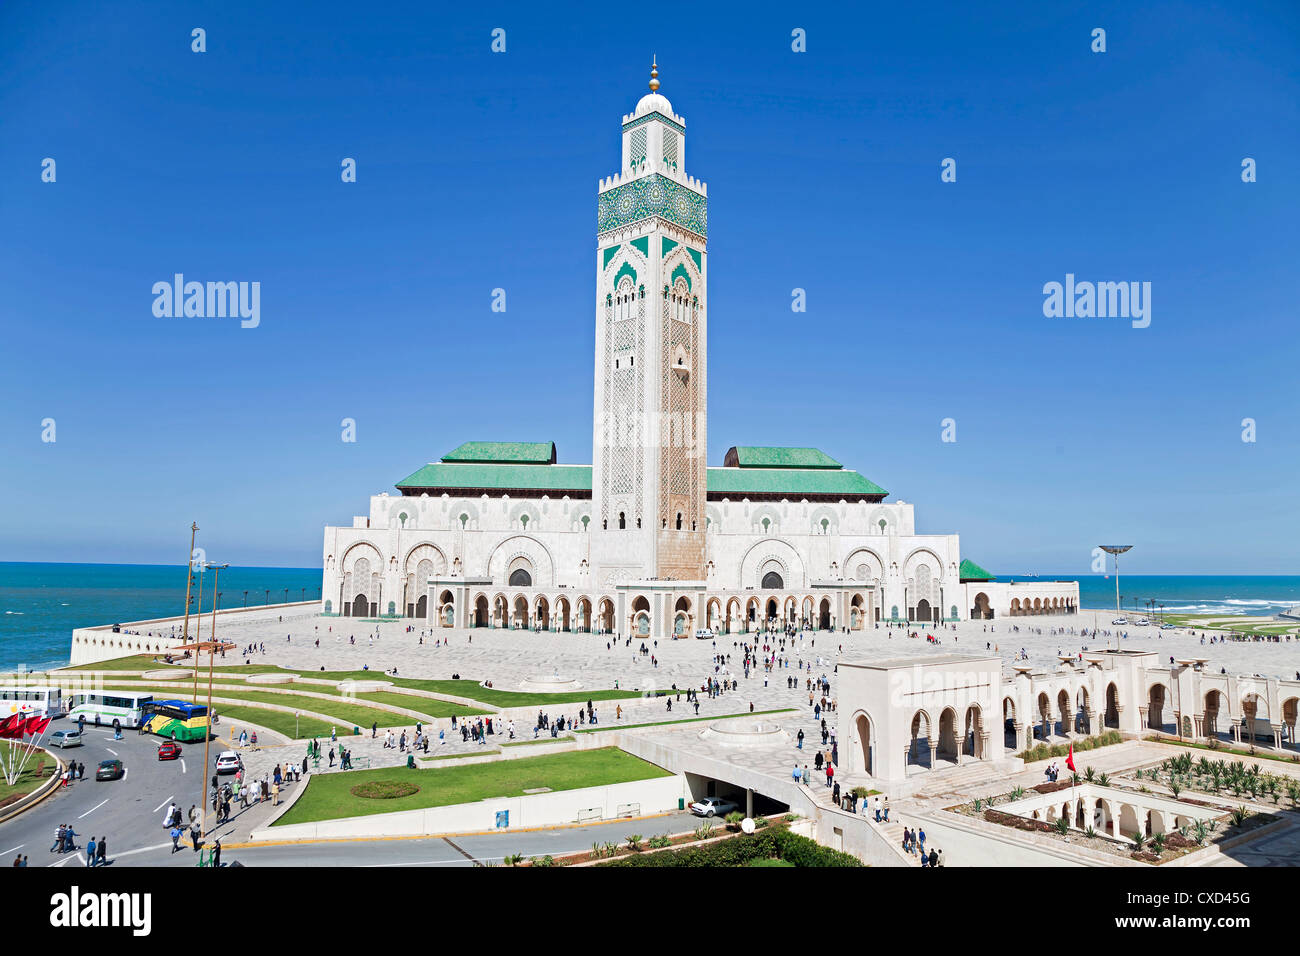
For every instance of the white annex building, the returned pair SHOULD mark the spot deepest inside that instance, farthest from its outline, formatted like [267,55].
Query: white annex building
[647,539]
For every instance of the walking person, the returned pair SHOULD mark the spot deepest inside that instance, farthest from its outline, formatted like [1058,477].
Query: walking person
[102,851]
[176,838]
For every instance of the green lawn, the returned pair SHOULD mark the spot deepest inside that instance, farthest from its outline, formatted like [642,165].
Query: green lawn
[346,712]
[772,862]
[685,720]
[425,705]
[328,796]
[39,767]
[474,691]
[305,728]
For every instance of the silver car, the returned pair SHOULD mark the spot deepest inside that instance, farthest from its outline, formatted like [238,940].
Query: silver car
[713,806]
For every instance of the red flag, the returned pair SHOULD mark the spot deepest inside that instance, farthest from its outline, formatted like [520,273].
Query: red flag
[9,725]
[1069,758]
[36,725]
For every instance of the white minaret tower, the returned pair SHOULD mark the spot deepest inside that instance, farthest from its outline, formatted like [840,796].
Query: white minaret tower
[649,440]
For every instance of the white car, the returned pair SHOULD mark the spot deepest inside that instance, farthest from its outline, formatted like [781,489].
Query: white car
[1168,627]
[1120,620]
[713,806]
[1142,622]
[228,762]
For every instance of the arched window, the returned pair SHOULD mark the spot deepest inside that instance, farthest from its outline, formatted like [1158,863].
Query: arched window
[679,521]
[523,520]
[402,518]
[883,524]
[520,578]
[464,520]
[622,521]
[772,581]
[586,520]
[767,523]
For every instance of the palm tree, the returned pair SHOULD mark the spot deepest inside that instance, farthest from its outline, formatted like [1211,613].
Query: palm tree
[1139,841]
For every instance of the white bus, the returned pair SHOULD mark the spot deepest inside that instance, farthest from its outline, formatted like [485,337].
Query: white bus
[111,708]
[30,699]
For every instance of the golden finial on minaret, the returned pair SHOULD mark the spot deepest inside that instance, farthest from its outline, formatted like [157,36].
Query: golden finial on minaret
[654,75]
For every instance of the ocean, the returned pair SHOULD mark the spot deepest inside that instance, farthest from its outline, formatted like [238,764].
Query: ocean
[40,604]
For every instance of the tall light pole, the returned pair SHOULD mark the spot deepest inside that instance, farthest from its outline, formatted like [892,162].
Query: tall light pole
[1116,550]
[198,632]
[189,579]
[212,652]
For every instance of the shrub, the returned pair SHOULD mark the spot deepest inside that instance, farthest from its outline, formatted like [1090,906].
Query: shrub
[380,790]
[634,842]
[772,843]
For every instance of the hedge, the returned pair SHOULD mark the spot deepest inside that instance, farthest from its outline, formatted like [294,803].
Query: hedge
[771,843]
[1043,751]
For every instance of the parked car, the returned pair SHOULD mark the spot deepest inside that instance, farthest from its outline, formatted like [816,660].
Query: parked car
[228,762]
[1168,627]
[1142,622]
[66,738]
[704,634]
[713,806]
[1120,620]
[169,750]
[110,770]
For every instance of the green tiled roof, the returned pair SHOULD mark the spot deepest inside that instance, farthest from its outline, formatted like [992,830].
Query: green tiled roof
[516,452]
[500,476]
[757,456]
[722,481]
[970,571]
[790,481]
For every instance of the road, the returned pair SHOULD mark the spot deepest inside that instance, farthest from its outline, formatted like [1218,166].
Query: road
[130,813]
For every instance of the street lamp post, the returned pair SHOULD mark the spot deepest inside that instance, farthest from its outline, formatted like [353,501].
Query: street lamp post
[189,579]
[212,652]
[267,600]
[1116,550]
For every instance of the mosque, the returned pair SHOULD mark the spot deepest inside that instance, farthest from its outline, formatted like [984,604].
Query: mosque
[648,539]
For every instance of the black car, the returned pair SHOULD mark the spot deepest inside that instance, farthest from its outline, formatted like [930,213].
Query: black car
[110,770]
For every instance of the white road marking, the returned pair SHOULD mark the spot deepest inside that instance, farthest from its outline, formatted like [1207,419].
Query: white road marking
[12,848]
[111,750]
[94,808]
[164,803]
[125,771]
[182,765]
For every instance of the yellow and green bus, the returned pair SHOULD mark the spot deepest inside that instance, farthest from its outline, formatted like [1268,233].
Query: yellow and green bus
[177,720]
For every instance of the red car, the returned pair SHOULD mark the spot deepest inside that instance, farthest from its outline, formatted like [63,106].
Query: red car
[170,750]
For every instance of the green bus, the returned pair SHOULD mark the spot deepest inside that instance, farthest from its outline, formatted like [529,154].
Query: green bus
[177,720]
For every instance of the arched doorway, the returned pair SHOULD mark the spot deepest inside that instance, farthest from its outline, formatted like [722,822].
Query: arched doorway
[947,734]
[481,613]
[1112,706]
[982,611]
[918,750]
[360,606]
[772,610]
[542,614]
[521,612]
[1156,708]
[606,615]
[422,607]
[641,616]
[863,726]
[972,740]
[923,611]
[824,615]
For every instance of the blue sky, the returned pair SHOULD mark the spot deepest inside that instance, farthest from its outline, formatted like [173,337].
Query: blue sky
[479,170]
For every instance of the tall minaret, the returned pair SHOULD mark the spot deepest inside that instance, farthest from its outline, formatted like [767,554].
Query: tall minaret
[648,448]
